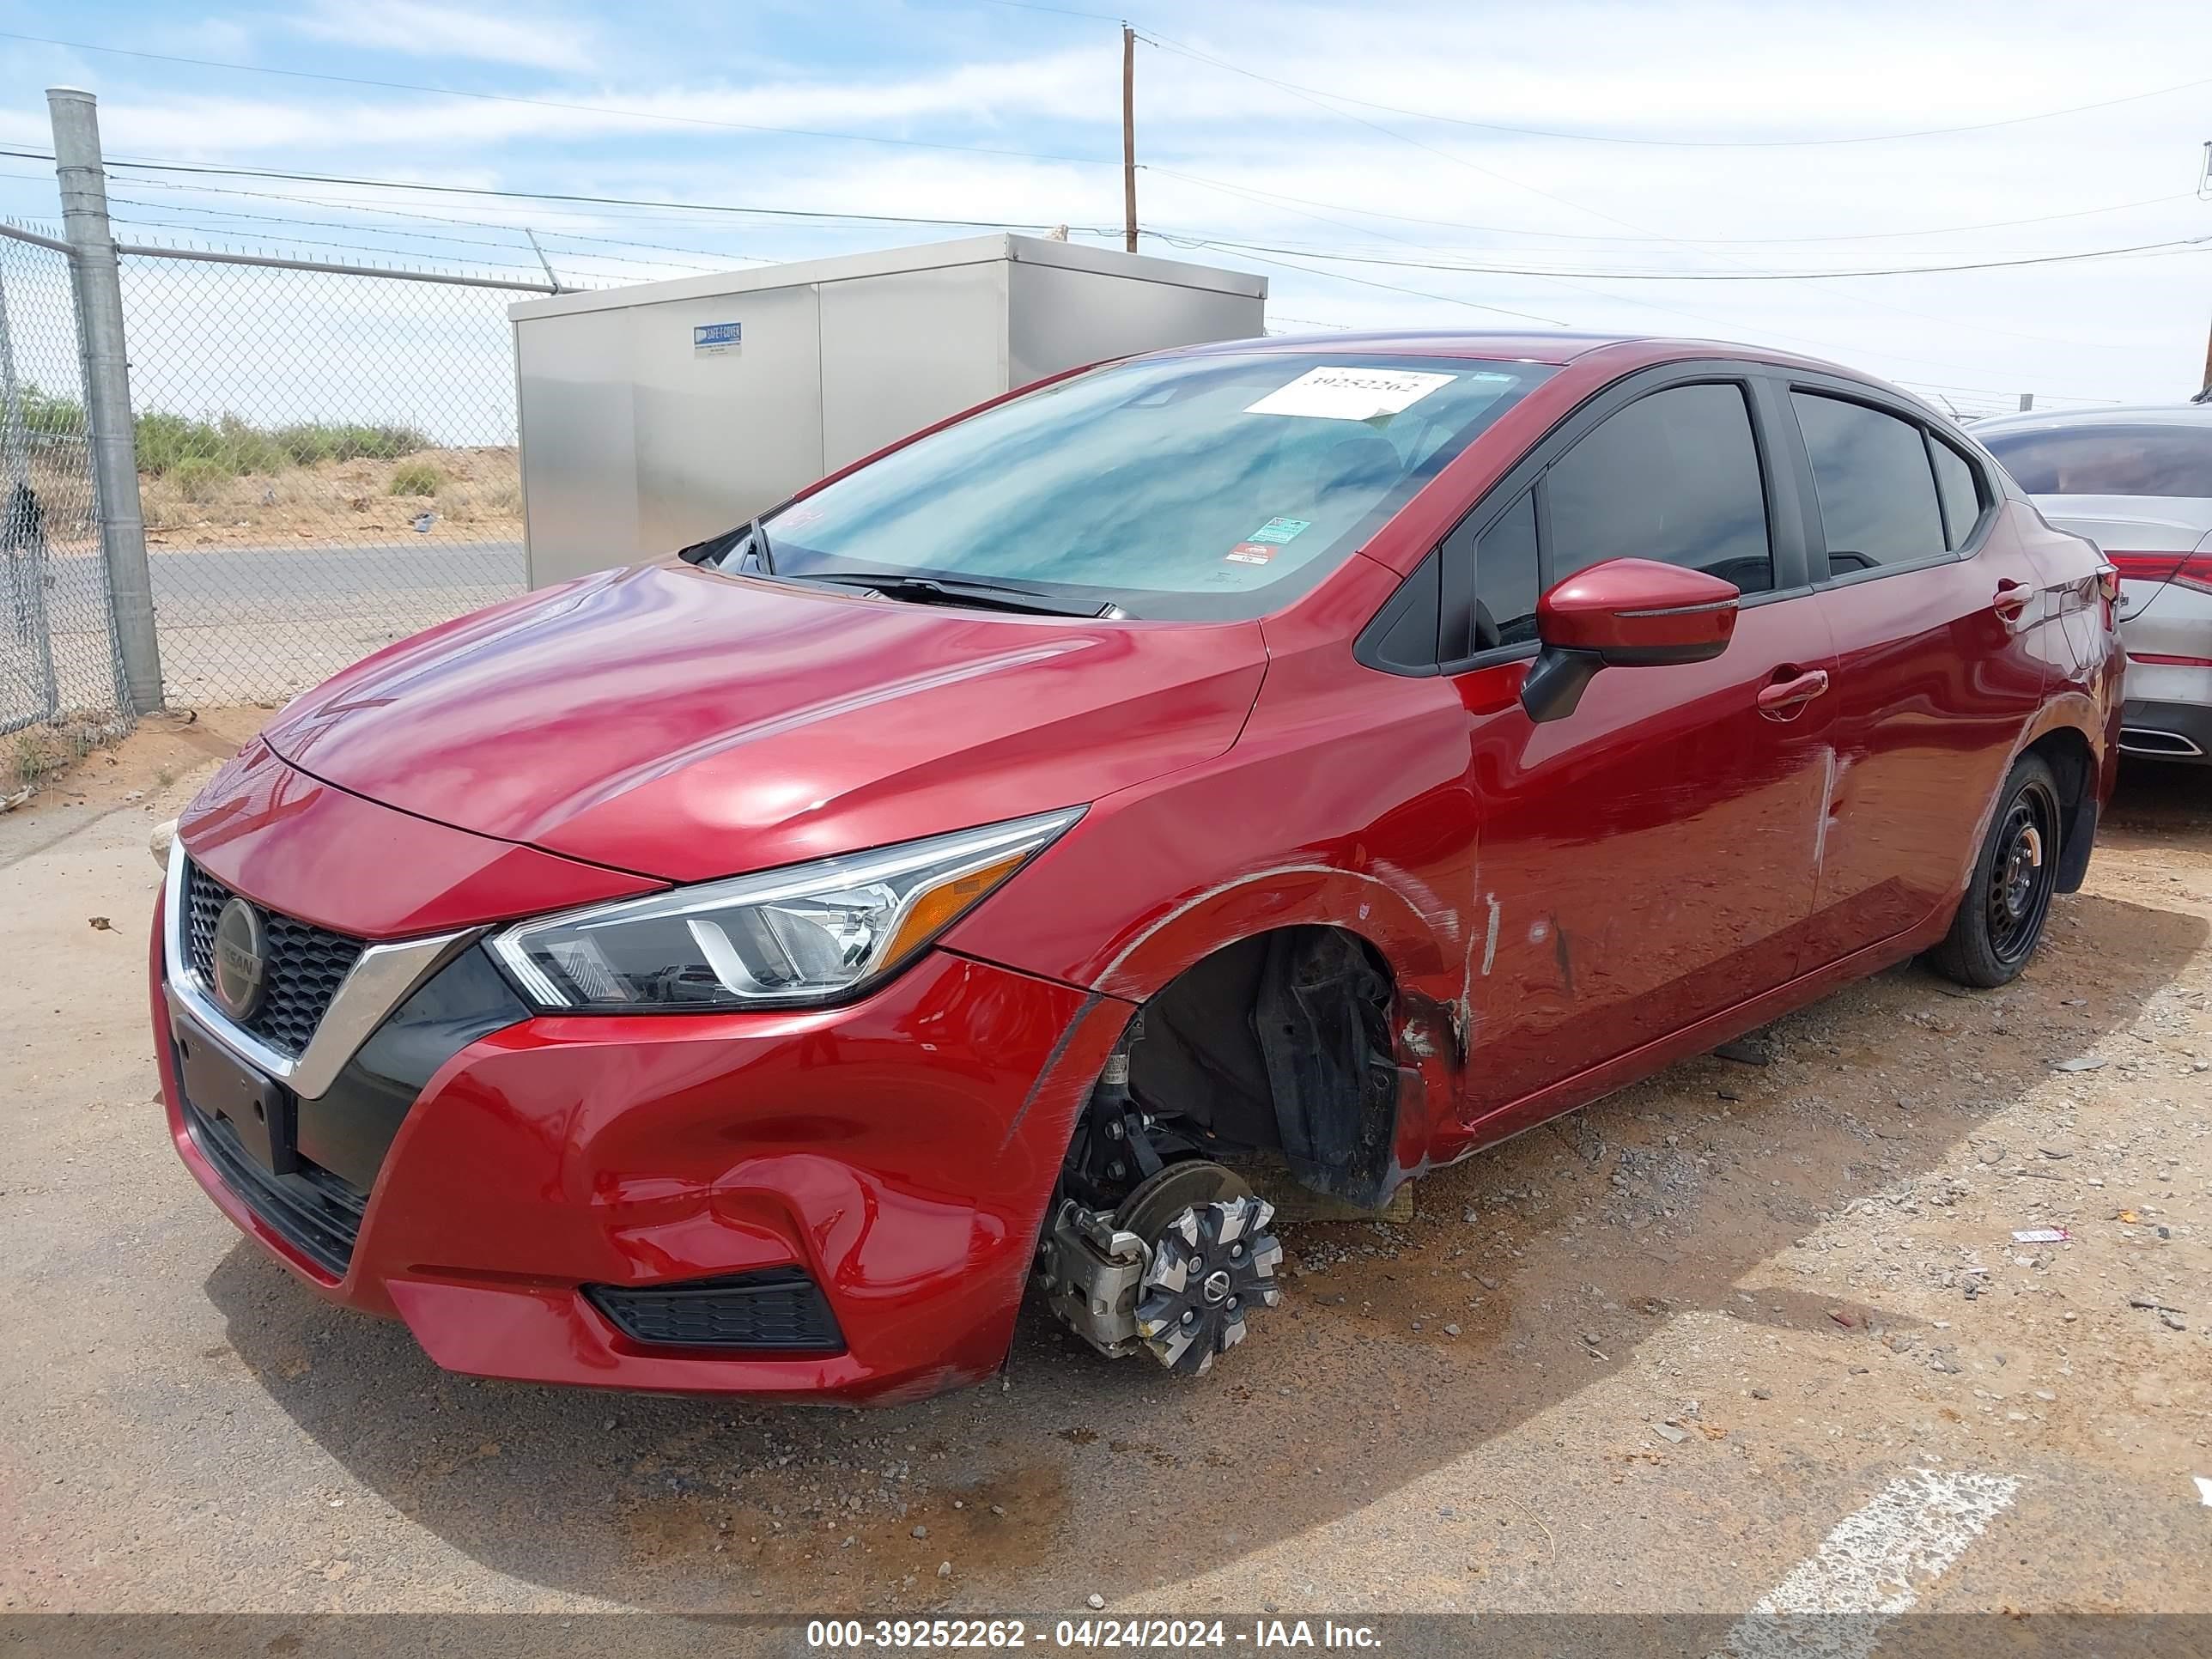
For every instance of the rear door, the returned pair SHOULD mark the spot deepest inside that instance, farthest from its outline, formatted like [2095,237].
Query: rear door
[1650,859]
[1942,624]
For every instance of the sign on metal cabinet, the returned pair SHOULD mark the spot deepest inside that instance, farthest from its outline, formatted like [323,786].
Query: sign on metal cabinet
[718,339]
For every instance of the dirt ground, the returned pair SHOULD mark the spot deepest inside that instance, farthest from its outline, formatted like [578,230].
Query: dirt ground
[73,763]
[1655,1356]
[475,494]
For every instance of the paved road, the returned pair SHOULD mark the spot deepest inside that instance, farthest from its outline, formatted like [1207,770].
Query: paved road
[259,624]
[1740,1335]
[219,585]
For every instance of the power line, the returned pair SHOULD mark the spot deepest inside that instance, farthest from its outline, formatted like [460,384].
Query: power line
[1420,294]
[1061,11]
[1320,101]
[430,236]
[555,104]
[1645,304]
[1636,301]
[809,215]
[1674,143]
[1678,241]
[1706,276]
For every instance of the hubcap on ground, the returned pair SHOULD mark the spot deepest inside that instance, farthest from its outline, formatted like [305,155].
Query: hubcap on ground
[1211,1261]
[1214,1261]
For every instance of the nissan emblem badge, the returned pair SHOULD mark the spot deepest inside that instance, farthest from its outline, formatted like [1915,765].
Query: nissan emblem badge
[240,959]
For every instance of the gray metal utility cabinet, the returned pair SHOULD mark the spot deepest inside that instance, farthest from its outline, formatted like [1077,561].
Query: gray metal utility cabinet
[655,416]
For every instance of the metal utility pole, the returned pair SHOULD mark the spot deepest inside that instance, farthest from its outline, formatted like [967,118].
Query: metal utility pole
[107,391]
[1128,139]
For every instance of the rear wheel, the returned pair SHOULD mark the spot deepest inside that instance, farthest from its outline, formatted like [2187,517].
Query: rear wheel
[1999,919]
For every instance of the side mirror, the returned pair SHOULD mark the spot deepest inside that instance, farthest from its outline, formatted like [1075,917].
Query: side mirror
[1625,613]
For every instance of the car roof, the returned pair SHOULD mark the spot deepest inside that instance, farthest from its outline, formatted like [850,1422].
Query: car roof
[2037,420]
[1551,346]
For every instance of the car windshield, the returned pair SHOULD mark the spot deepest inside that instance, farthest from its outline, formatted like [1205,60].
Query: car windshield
[2108,460]
[1213,485]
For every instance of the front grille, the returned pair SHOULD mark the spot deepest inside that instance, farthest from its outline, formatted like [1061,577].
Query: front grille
[775,1309]
[314,1211]
[306,964]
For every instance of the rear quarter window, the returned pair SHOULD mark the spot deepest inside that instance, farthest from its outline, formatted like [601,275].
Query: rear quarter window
[2108,460]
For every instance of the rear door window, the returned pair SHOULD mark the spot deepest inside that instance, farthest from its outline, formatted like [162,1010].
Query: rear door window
[1673,476]
[1876,484]
[2108,460]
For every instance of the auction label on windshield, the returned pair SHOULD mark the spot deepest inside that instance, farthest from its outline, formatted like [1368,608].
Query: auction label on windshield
[1349,394]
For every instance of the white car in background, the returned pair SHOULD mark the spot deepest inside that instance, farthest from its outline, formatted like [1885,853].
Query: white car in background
[2138,482]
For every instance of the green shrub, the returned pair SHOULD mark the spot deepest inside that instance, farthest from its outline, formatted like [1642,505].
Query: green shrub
[308,443]
[199,479]
[50,415]
[166,439]
[416,479]
[238,446]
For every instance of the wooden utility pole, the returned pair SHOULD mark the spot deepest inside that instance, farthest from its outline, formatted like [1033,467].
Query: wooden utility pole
[2204,194]
[1129,137]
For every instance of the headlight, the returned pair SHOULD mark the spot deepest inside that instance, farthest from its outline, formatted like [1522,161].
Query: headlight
[809,934]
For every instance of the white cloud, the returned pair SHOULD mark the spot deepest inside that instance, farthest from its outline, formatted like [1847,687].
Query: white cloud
[545,41]
[1698,69]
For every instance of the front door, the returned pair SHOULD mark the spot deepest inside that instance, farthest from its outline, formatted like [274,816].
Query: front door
[1650,858]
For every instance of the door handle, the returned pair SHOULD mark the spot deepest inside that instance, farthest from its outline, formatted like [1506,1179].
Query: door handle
[1782,699]
[2012,599]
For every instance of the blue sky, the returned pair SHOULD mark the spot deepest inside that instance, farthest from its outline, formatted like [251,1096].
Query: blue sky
[1284,128]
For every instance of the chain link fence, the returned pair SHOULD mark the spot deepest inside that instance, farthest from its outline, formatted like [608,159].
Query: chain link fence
[327,463]
[56,659]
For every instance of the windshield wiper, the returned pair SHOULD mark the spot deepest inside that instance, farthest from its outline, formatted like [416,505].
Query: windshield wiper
[951,590]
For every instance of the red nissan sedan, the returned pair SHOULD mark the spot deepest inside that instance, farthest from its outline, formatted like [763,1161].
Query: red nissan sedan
[748,972]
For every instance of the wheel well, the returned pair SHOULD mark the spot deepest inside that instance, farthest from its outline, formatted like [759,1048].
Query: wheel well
[1280,1042]
[2067,753]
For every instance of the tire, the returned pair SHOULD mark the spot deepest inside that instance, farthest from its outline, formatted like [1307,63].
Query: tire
[2007,899]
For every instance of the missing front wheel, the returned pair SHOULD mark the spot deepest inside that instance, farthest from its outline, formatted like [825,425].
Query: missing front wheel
[1174,1270]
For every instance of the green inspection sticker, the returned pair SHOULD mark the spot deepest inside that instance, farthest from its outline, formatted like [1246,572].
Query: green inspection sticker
[1276,531]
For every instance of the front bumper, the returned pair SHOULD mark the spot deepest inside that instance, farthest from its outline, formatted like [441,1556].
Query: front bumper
[900,1152]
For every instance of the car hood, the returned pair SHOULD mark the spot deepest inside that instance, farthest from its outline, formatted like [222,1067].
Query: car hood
[679,723]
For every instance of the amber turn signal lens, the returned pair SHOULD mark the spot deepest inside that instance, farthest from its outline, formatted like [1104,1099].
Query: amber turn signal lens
[931,913]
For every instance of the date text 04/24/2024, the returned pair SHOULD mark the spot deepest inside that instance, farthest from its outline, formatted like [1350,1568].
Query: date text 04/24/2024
[1167,1634]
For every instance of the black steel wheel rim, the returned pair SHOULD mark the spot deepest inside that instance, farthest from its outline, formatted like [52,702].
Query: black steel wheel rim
[2023,873]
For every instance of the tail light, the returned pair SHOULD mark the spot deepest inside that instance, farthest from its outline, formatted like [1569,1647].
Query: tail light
[2108,581]
[2190,570]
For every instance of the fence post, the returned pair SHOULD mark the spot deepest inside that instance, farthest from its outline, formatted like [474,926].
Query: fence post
[106,391]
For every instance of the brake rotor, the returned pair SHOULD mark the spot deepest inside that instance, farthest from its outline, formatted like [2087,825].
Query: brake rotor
[1210,1260]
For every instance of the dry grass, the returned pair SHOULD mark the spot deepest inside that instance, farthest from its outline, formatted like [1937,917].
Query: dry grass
[477,495]
[37,755]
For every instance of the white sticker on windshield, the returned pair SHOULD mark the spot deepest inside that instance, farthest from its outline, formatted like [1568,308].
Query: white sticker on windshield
[1349,394]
